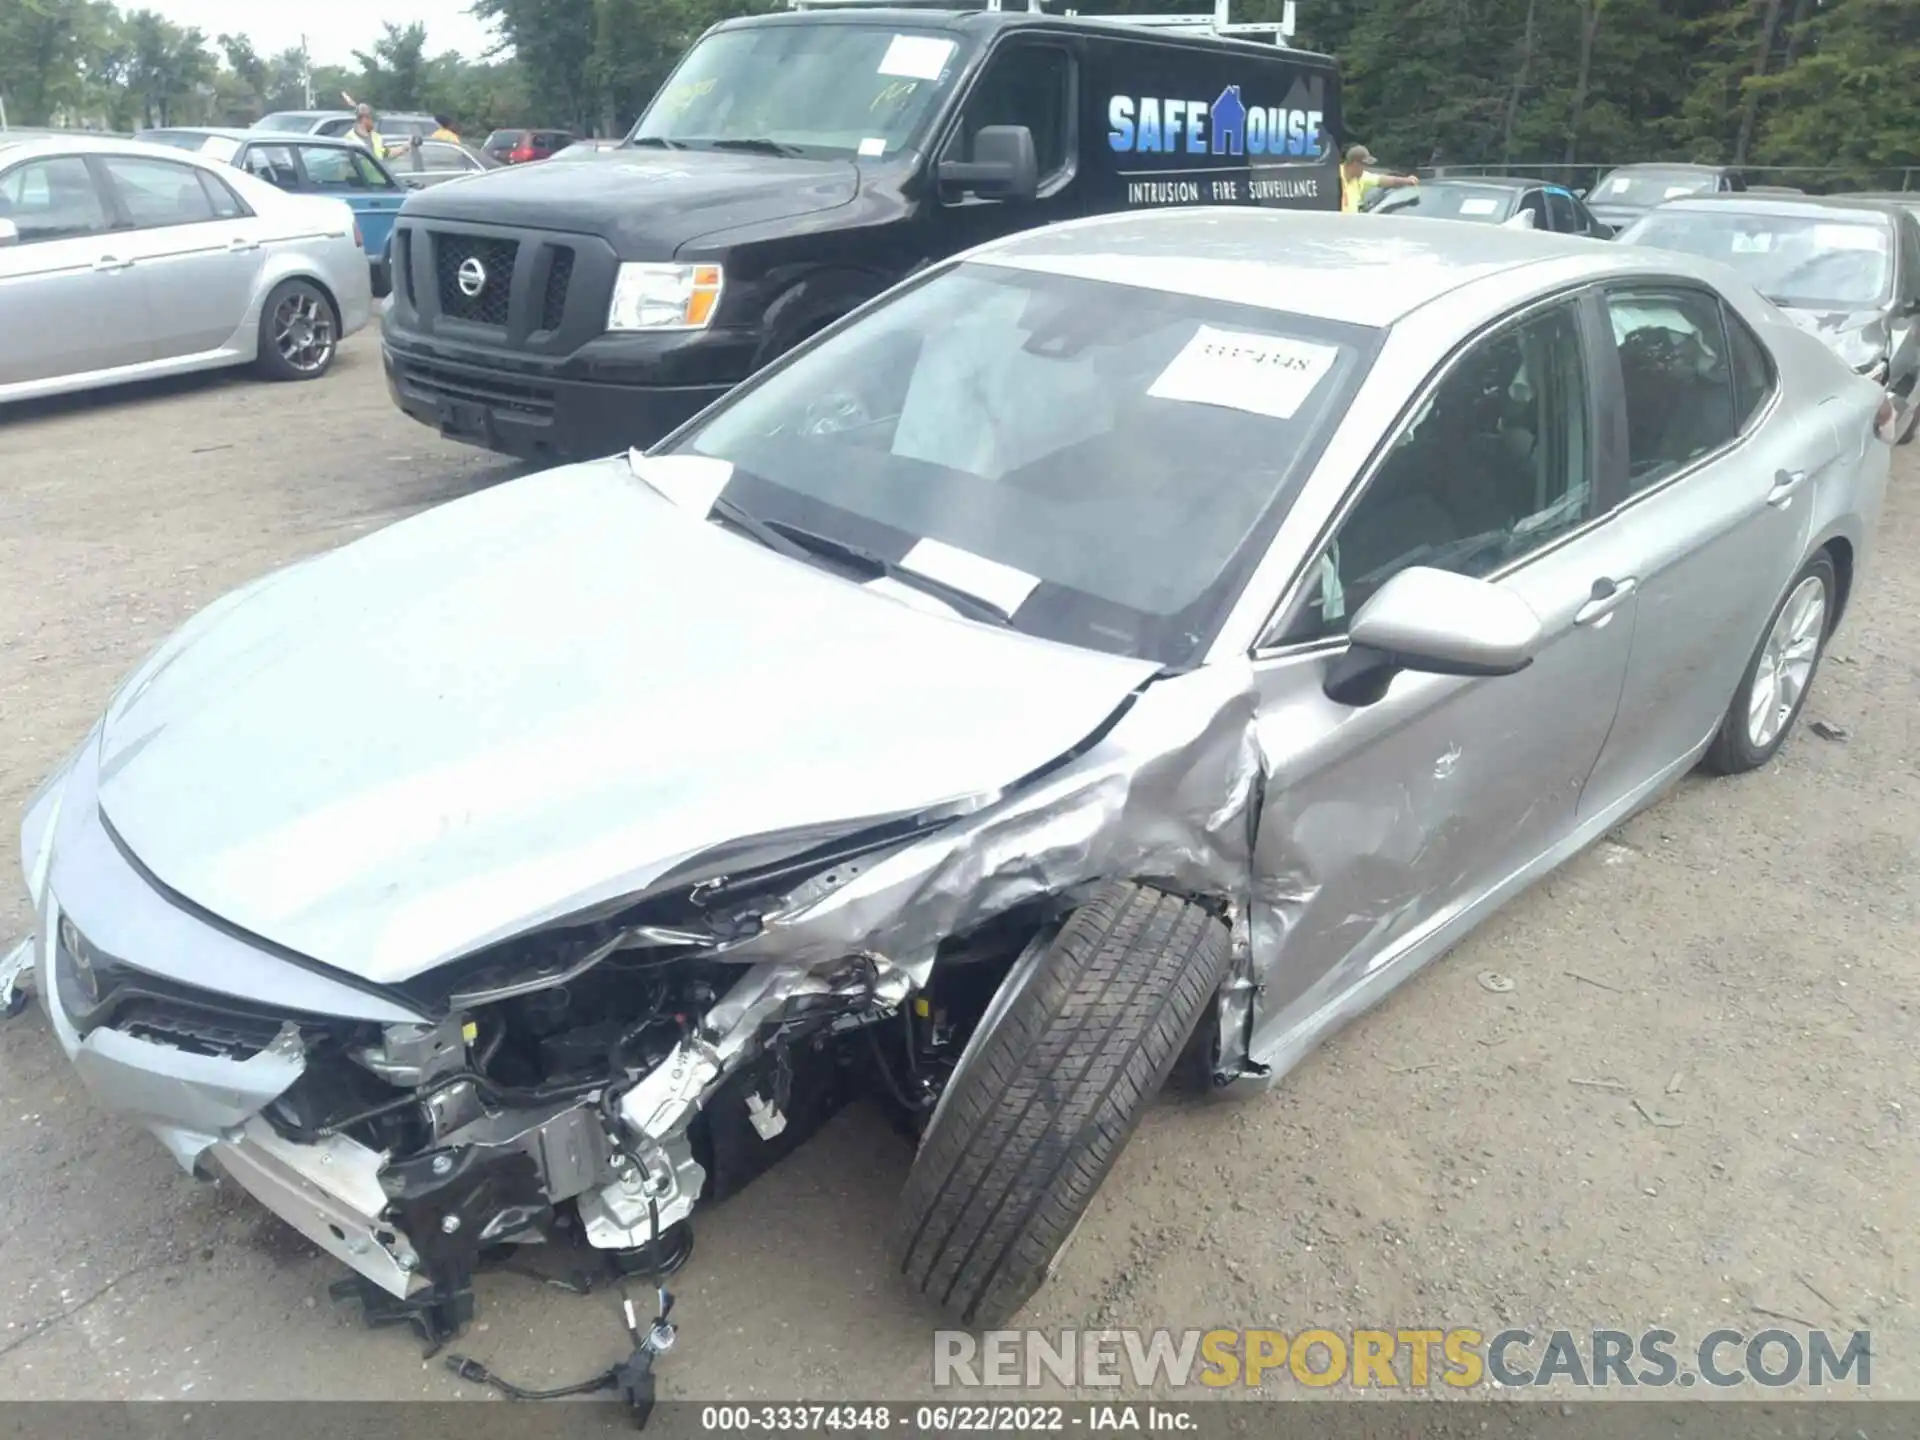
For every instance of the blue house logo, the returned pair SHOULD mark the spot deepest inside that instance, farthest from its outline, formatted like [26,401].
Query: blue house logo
[1227,123]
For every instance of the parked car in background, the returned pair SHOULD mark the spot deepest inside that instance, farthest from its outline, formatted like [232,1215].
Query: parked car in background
[309,164]
[125,261]
[306,122]
[1625,194]
[1846,270]
[1514,201]
[518,147]
[432,162]
[1905,199]
[1263,600]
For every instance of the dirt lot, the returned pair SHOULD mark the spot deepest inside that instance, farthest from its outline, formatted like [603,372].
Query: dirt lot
[1739,961]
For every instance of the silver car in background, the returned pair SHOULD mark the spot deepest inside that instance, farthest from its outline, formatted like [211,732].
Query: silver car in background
[1136,644]
[124,261]
[1845,268]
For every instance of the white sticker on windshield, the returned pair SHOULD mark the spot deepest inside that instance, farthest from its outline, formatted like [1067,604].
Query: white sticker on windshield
[916,57]
[1848,237]
[1758,244]
[1675,191]
[873,145]
[1479,207]
[988,580]
[1261,374]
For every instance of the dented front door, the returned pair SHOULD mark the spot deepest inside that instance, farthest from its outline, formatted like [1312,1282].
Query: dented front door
[1381,823]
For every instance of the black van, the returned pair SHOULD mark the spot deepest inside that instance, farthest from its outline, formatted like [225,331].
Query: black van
[794,166]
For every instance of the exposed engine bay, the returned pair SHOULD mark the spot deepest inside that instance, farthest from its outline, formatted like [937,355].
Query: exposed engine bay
[635,1075]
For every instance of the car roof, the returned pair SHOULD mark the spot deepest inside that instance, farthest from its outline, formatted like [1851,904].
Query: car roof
[249,136]
[1783,205]
[1365,269]
[990,22]
[1503,182]
[1687,167]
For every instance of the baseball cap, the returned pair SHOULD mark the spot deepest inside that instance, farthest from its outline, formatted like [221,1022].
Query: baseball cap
[1359,155]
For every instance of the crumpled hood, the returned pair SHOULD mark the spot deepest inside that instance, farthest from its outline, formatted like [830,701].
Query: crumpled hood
[541,697]
[1858,337]
[644,202]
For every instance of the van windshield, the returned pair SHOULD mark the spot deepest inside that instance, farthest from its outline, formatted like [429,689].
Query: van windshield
[825,89]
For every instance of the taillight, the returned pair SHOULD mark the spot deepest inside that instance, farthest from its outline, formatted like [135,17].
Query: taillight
[1886,423]
[522,153]
[359,238]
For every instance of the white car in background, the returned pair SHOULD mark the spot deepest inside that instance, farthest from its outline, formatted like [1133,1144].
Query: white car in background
[126,261]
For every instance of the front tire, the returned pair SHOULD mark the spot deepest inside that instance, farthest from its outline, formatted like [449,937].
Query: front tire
[299,332]
[1039,1111]
[1773,691]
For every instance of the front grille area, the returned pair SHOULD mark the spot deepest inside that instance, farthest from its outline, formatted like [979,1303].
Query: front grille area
[553,307]
[495,258]
[195,1029]
[434,383]
[403,264]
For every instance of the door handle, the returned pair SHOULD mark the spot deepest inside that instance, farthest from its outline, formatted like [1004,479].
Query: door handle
[1608,596]
[1785,483]
[240,244]
[112,262]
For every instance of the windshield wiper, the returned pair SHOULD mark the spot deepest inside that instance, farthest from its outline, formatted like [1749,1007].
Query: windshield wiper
[879,567]
[759,144]
[657,140]
[755,528]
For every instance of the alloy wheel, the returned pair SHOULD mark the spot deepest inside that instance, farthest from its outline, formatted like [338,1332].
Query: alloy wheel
[1786,662]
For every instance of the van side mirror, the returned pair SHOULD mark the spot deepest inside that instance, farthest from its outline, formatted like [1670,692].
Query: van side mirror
[9,233]
[1004,165]
[1433,622]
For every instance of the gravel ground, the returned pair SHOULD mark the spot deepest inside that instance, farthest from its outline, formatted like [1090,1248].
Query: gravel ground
[1736,964]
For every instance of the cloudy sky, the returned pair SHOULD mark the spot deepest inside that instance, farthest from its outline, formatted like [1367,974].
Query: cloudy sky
[334,28]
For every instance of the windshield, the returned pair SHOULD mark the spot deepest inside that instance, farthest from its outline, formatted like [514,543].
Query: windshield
[296,122]
[1647,188]
[1801,261]
[827,89]
[1484,203]
[1103,463]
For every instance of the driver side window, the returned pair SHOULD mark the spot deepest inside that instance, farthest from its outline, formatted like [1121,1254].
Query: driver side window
[1030,85]
[1496,464]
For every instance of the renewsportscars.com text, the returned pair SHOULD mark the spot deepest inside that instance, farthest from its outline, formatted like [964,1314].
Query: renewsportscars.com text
[1459,1358]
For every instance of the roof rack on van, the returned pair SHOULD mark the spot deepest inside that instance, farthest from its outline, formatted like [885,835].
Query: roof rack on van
[1219,21]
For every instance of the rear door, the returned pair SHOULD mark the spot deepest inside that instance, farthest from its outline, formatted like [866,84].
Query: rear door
[1719,468]
[349,173]
[71,301]
[194,244]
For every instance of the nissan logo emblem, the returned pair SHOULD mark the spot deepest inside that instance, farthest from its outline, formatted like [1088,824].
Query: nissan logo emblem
[472,276]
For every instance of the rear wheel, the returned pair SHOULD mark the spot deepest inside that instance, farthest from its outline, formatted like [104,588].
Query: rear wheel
[1774,689]
[1082,1036]
[299,332]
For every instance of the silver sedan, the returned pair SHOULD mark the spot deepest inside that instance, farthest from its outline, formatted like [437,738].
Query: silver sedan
[125,261]
[1137,644]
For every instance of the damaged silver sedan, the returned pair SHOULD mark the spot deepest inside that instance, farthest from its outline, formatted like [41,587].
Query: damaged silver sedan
[1135,645]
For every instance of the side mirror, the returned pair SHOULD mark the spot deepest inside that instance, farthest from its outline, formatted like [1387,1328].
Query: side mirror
[1433,622]
[1004,165]
[1581,193]
[9,233]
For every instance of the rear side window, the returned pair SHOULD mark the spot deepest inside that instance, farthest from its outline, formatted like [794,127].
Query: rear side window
[226,204]
[158,193]
[438,155]
[273,164]
[52,200]
[1753,372]
[1560,211]
[1678,380]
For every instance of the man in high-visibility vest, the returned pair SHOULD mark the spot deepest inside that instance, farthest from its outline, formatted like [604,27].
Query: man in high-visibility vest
[1356,180]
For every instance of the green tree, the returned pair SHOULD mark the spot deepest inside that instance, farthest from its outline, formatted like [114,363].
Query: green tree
[1849,99]
[394,74]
